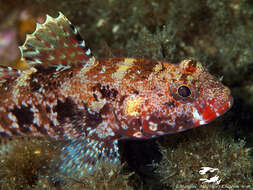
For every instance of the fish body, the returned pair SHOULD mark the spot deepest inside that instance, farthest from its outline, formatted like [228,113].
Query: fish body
[67,94]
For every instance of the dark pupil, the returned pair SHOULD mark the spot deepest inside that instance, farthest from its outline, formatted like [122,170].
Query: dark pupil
[184,91]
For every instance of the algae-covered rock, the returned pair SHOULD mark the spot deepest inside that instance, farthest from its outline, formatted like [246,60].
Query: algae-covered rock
[181,165]
[28,163]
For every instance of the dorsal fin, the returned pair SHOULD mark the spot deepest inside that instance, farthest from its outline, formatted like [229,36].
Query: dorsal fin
[56,43]
[8,73]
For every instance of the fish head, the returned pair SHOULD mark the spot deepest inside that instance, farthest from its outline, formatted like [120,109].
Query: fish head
[195,89]
[180,97]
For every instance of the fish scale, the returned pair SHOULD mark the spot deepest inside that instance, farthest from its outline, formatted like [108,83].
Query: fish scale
[89,104]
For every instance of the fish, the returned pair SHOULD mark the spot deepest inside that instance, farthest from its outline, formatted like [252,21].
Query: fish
[89,104]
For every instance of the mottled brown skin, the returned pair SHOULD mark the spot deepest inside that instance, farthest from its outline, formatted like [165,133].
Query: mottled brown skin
[126,94]
[67,94]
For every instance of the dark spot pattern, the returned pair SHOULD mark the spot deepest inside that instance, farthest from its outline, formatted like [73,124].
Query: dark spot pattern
[72,27]
[85,49]
[92,119]
[135,91]
[41,78]
[41,130]
[27,58]
[106,91]
[42,70]
[64,110]
[69,112]
[95,96]
[24,117]
[78,37]
[35,86]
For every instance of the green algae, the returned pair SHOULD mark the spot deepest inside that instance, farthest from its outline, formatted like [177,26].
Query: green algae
[26,163]
[181,164]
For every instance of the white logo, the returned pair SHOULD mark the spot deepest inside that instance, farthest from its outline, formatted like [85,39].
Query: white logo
[214,179]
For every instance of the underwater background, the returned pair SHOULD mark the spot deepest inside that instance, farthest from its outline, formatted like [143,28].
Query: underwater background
[217,33]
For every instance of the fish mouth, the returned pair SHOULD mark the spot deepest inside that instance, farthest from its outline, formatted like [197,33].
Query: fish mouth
[210,112]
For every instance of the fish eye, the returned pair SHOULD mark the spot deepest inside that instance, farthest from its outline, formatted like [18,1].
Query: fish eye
[184,91]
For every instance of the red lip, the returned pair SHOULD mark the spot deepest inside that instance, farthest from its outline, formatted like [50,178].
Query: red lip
[210,112]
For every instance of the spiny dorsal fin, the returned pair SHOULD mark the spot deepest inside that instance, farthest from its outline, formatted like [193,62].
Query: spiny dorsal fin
[56,43]
[8,73]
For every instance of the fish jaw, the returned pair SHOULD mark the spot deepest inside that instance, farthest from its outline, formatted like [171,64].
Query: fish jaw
[210,112]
